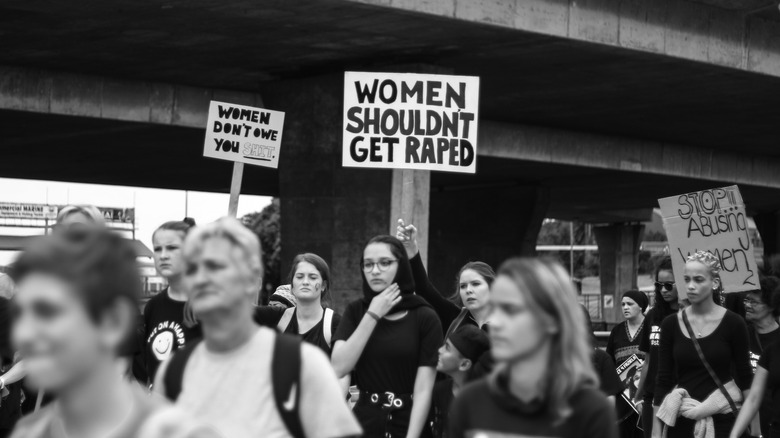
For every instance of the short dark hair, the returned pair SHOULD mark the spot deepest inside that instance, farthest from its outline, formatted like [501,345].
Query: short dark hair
[769,292]
[322,267]
[100,266]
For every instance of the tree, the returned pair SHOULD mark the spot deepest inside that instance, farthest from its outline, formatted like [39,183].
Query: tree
[266,224]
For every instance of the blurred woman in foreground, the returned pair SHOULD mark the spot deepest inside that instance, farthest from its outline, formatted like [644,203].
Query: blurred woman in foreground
[543,383]
[76,307]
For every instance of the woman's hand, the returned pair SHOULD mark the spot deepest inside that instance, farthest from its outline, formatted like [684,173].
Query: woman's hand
[383,303]
[407,234]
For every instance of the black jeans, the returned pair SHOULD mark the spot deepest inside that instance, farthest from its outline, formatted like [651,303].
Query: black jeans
[647,417]
[378,422]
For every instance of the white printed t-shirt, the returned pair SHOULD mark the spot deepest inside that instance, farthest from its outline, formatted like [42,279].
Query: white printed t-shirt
[233,392]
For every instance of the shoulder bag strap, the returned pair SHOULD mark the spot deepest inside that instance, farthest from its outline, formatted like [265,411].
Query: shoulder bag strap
[286,375]
[714,376]
[287,316]
[327,326]
[174,372]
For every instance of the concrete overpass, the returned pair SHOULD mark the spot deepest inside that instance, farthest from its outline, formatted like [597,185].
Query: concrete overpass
[591,110]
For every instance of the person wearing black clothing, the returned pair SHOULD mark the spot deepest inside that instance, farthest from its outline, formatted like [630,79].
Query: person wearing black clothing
[457,357]
[390,340]
[609,381]
[682,374]
[543,383]
[310,281]
[169,324]
[761,309]
[665,304]
[11,407]
[766,385]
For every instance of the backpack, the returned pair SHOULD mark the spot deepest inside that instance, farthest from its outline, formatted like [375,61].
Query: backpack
[327,323]
[285,378]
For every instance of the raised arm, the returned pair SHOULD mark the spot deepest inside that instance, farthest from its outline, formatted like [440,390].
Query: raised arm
[347,350]
[445,309]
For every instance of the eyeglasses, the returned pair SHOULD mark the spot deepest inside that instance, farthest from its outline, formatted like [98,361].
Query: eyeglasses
[752,302]
[668,285]
[383,265]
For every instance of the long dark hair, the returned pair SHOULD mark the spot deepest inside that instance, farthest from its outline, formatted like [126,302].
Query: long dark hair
[483,269]
[321,266]
[665,264]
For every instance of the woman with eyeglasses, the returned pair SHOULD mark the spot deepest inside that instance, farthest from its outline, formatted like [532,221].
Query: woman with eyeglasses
[389,340]
[665,304]
[761,310]
[687,396]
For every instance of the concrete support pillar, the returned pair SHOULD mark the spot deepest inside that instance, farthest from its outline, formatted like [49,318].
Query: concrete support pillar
[326,208]
[485,224]
[768,225]
[618,263]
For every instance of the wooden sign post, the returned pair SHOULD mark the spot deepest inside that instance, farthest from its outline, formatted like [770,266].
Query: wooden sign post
[244,135]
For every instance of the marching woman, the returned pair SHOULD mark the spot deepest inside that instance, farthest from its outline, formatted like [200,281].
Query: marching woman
[543,383]
[169,323]
[623,343]
[665,304]
[469,303]
[310,318]
[704,368]
[390,341]
[766,383]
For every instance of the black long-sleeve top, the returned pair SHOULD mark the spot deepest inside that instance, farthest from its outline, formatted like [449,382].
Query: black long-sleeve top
[726,349]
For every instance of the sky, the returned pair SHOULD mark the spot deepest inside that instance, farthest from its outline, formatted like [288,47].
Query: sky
[152,206]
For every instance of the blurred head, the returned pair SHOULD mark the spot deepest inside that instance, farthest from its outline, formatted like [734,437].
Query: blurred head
[462,350]
[310,278]
[702,277]
[223,267]
[763,304]
[382,257]
[665,286]
[283,297]
[634,303]
[7,287]
[76,305]
[79,216]
[167,243]
[474,281]
[534,310]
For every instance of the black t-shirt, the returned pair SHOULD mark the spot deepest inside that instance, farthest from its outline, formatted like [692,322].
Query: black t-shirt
[770,361]
[648,344]
[726,350]
[395,349]
[270,316]
[485,409]
[605,369]
[760,342]
[621,347]
[6,350]
[164,330]
[441,403]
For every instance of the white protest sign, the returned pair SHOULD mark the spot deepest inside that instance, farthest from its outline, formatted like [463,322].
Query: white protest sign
[244,134]
[410,121]
[715,221]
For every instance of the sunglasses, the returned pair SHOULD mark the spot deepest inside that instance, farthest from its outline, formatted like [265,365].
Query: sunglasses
[668,285]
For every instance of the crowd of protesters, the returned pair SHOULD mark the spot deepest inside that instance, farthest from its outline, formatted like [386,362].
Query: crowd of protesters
[504,354]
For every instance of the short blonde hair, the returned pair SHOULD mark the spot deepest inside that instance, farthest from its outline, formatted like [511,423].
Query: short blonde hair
[232,230]
[90,211]
[550,294]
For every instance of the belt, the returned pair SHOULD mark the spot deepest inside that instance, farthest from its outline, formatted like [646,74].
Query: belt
[386,400]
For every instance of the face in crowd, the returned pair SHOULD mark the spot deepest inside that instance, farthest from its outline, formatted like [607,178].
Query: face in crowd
[450,359]
[217,277]
[168,256]
[517,331]
[700,283]
[755,307]
[474,290]
[630,308]
[307,282]
[668,288]
[380,266]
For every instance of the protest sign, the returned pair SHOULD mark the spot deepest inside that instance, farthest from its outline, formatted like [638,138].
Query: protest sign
[27,211]
[629,372]
[711,220]
[243,134]
[410,121]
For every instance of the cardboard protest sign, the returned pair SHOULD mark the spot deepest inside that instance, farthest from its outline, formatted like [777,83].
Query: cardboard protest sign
[410,121]
[711,220]
[244,134]
[629,372]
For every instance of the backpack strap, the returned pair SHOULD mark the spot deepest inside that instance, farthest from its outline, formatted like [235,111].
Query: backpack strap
[287,316]
[286,376]
[174,372]
[327,326]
